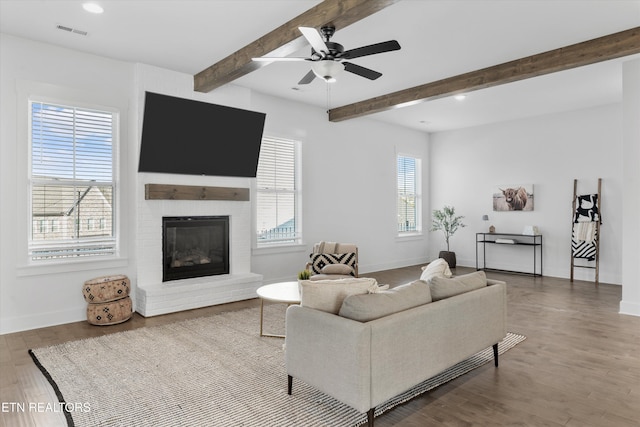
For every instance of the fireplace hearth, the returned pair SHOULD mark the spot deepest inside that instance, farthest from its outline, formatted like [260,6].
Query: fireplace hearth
[194,247]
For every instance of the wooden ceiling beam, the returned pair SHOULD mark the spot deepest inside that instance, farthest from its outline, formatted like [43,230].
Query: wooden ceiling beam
[285,39]
[589,52]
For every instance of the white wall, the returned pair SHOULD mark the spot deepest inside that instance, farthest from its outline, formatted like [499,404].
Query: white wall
[33,296]
[630,303]
[348,177]
[349,187]
[548,152]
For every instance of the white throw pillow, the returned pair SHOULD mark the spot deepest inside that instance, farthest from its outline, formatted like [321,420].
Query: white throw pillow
[437,268]
[328,295]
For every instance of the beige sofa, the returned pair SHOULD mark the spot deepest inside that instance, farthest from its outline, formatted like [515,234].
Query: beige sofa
[365,363]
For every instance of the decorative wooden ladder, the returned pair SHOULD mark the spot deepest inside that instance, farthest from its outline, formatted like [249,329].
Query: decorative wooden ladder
[597,232]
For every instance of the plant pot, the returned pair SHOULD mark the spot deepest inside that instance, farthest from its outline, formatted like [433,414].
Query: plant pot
[450,257]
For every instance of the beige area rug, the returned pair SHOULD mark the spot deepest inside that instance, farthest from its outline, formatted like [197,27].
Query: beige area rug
[210,371]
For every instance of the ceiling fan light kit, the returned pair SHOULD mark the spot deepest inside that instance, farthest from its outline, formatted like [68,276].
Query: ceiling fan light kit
[326,56]
[327,70]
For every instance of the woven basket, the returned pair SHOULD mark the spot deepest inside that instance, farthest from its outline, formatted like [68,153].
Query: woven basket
[109,313]
[105,289]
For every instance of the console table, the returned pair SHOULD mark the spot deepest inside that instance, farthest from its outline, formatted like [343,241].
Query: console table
[505,239]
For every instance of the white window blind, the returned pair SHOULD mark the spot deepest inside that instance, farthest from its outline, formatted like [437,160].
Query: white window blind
[72,183]
[408,194]
[277,192]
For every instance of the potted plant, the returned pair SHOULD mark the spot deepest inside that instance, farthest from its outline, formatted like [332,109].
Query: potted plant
[304,275]
[445,220]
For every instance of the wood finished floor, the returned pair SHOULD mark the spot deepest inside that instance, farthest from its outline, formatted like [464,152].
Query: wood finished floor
[579,366]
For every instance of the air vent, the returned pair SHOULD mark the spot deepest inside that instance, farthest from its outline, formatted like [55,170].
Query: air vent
[71,30]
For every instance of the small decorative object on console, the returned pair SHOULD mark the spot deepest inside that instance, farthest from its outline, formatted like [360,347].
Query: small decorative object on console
[530,230]
[506,241]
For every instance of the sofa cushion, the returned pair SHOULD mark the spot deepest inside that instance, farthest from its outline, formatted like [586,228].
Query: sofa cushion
[337,269]
[442,287]
[436,268]
[364,308]
[318,261]
[327,295]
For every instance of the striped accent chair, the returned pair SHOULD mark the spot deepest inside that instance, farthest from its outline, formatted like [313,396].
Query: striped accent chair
[330,260]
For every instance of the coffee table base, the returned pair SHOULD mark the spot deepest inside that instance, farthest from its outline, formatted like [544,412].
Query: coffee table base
[284,293]
[262,333]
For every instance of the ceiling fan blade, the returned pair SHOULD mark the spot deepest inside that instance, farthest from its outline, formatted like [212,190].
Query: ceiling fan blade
[315,39]
[308,78]
[281,59]
[372,49]
[361,71]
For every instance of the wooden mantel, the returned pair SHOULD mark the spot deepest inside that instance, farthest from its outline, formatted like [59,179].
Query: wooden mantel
[194,192]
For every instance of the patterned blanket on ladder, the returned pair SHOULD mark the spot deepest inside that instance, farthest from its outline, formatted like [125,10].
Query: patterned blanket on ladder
[585,227]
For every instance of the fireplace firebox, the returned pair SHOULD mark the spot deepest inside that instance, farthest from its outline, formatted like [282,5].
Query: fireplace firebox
[194,247]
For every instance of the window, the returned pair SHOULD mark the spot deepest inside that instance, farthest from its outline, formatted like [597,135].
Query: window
[72,181]
[278,196]
[408,194]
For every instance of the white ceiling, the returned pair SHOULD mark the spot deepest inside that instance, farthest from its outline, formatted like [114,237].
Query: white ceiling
[439,39]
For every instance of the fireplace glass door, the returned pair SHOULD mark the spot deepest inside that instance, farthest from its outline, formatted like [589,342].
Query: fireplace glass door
[195,247]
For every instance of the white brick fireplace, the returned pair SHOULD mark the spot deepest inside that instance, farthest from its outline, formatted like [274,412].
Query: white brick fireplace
[153,296]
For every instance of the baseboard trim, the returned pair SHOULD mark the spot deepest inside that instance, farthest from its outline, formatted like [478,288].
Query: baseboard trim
[630,308]
[42,320]
[371,268]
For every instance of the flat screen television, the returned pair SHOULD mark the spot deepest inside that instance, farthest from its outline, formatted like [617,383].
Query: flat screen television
[183,136]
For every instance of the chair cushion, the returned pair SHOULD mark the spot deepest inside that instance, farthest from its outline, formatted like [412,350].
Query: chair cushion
[364,308]
[327,295]
[318,261]
[442,287]
[437,268]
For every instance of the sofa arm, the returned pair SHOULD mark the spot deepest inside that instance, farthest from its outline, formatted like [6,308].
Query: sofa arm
[433,337]
[330,353]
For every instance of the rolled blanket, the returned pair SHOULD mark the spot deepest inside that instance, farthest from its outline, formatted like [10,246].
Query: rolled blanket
[327,248]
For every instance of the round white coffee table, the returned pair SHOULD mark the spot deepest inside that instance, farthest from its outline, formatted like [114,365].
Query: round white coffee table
[283,292]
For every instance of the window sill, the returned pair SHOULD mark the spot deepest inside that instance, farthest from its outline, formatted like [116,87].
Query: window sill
[279,249]
[409,236]
[45,268]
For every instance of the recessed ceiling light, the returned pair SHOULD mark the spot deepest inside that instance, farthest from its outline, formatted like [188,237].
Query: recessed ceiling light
[92,7]
[460,97]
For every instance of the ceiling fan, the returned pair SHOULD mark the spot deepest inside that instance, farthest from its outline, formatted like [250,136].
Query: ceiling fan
[326,56]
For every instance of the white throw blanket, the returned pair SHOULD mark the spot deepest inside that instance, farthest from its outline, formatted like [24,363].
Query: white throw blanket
[584,231]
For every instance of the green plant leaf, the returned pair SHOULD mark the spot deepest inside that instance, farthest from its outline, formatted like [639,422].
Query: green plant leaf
[445,220]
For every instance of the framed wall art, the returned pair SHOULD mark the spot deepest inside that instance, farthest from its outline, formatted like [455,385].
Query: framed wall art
[513,198]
